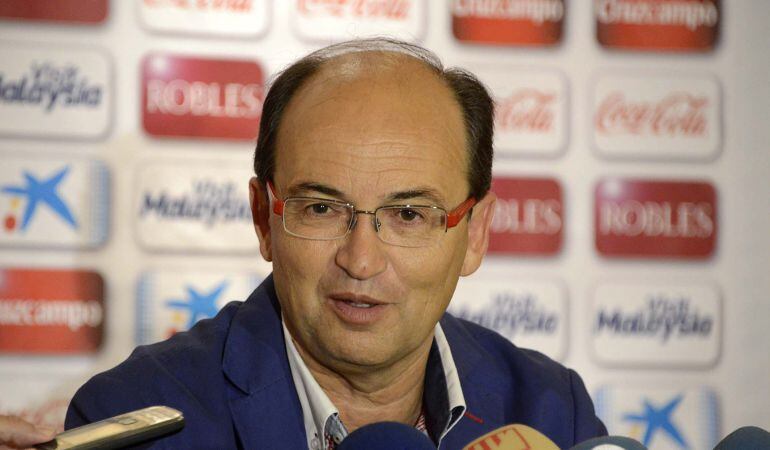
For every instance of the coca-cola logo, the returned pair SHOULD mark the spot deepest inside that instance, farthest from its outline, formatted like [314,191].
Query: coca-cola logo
[233,18]
[200,5]
[508,22]
[677,114]
[381,9]
[201,97]
[680,25]
[526,110]
[655,218]
[528,216]
[657,116]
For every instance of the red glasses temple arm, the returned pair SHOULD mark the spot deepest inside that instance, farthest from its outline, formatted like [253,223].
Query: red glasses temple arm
[455,216]
[277,203]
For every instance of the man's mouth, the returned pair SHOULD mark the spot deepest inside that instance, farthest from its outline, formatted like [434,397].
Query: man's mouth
[358,305]
[359,309]
[359,301]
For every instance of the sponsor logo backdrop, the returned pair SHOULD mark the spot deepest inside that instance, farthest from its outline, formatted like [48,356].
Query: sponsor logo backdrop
[630,237]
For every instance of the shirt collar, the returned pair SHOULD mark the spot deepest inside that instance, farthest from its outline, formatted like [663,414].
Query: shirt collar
[321,416]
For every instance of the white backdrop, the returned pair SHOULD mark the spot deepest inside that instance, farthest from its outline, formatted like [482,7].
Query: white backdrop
[723,378]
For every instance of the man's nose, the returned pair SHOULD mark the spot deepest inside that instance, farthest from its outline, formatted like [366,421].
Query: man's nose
[361,254]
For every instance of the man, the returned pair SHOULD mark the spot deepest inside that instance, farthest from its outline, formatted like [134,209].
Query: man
[371,198]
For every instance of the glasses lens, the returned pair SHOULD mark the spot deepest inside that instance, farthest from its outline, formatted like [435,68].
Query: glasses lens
[315,218]
[411,226]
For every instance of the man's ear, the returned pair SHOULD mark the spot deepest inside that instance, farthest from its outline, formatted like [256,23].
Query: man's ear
[260,215]
[478,233]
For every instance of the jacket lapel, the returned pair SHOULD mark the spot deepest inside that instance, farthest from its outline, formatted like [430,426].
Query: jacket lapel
[485,409]
[263,401]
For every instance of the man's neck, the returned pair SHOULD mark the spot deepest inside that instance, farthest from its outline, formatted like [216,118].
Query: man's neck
[393,393]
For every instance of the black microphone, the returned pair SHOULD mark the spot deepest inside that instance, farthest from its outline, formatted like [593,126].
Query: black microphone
[386,436]
[613,442]
[745,438]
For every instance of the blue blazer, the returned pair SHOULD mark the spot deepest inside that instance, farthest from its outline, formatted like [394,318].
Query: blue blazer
[230,377]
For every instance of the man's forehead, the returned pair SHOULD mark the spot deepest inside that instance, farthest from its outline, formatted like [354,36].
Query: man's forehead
[381,70]
[373,117]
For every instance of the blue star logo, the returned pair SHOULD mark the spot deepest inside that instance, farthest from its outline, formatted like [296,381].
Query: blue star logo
[45,191]
[659,419]
[199,304]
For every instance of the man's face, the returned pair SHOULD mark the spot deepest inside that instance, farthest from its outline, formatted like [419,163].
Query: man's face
[369,134]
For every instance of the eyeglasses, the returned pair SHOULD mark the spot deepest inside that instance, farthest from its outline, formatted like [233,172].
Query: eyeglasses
[400,225]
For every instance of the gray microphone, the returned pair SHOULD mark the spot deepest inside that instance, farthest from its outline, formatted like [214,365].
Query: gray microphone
[745,438]
[610,443]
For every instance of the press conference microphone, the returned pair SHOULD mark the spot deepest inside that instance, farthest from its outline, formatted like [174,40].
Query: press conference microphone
[512,437]
[386,436]
[745,438]
[609,443]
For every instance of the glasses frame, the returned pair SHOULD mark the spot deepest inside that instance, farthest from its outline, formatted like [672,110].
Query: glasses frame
[453,217]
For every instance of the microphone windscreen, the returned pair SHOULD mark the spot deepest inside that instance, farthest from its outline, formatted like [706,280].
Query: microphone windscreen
[745,438]
[386,436]
[609,443]
[512,437]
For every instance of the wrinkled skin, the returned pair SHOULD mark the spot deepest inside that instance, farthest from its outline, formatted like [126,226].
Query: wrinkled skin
[370,126]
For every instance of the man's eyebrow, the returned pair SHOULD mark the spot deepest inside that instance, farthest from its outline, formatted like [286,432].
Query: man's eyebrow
[429,194]
[304,188]
[309,187]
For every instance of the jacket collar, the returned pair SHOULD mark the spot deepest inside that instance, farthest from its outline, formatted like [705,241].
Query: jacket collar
[264,403]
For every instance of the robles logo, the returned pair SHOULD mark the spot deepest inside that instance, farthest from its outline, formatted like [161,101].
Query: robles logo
[508,22]
[530,110]
[657,325]
[528,216]
[51,311]
[171,301]
[53,92]
[655,218]
[77,11]
[198,208]
[207,98]
[54,202]
[657,117]
[529,313]
[237,18]
[341,19]
[678,25]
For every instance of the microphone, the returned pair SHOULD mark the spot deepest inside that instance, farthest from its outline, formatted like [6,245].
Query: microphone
[512,437]
[610,443]
[386,436]
[745,438]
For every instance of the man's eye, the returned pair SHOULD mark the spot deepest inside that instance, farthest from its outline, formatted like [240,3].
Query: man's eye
[409,215]
[319,208]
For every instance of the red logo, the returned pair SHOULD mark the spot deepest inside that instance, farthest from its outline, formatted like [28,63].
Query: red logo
[527,110]
[655,218]
[528,216]
[508,22]
[79,11]
[678,114]
[51,311]
[673,25]
[357,9]
[190,97]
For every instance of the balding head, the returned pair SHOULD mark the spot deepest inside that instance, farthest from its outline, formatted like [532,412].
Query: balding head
[383,61]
